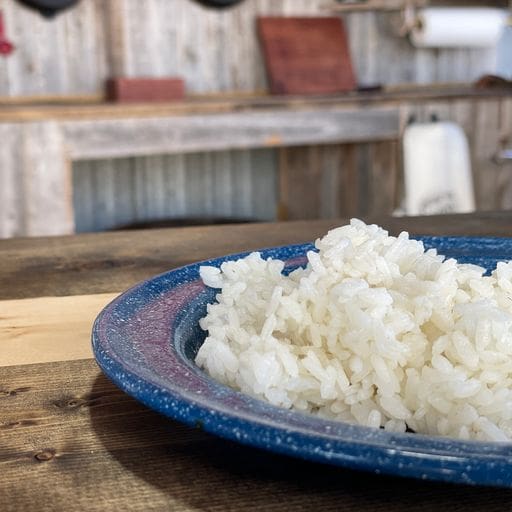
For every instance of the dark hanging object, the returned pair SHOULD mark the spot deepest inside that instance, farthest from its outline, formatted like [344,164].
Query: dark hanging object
[218,4]
[49,8]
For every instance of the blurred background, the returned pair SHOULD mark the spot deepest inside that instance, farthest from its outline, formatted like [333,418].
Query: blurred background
[142,113]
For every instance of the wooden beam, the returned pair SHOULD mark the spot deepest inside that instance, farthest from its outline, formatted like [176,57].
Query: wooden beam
[115,30]
[35,181]
[180,134]
[397,5]
[47,192]
[73,108]
[11,200]
[371,5]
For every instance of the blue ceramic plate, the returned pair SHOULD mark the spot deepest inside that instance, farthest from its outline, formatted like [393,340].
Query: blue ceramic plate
[146,341]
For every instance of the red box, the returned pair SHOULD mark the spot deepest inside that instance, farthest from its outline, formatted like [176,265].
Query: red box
[143,90]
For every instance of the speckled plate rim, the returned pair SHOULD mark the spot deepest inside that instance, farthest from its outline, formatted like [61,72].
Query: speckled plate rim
[156,371]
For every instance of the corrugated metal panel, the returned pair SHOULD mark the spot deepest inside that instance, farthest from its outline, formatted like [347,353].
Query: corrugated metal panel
[227,184]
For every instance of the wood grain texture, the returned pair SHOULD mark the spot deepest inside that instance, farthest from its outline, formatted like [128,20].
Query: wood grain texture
[181,134]
[115,193]
[486,141]
[72,441]
[47,329]
[75,442]
[114,27]
[93,108]
[300,183]
[111,262]
[35,196]
[306,55]
[373,171]
[504,171]
[213,50]
[47,198]
[47,194]
[12,222]
[330,181]
[383,178]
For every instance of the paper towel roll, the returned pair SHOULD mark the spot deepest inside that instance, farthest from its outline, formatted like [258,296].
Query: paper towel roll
[458,27]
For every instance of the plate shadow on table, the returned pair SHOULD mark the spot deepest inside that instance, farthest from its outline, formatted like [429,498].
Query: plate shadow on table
[203,472]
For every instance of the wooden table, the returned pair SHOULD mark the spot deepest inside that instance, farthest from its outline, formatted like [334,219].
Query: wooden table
[70,440]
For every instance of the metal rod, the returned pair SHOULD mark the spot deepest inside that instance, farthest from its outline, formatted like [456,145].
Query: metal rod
[503,156]
[372,5]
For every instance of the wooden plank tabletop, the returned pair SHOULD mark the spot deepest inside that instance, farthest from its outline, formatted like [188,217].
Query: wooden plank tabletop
[111,262]
[70,440]
[38,330]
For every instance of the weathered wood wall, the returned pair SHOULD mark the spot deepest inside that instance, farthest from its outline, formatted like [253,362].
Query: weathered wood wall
[213,51]
[365,179]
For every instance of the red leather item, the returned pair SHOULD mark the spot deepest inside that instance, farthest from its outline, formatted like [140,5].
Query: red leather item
[141,90]
[306,55]
[6,47]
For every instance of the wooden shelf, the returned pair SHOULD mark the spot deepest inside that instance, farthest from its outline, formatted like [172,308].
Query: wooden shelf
[238,103]
[397,5]
[371,5]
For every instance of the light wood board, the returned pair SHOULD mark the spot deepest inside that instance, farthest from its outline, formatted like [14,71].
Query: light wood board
[48,329]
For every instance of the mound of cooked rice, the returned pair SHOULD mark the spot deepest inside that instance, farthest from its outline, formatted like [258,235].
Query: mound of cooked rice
[374,330]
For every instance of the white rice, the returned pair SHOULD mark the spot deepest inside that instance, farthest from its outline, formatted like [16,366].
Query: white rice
[375,331]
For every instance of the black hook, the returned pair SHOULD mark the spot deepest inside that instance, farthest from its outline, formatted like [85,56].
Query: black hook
[48,8]
[218,4]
